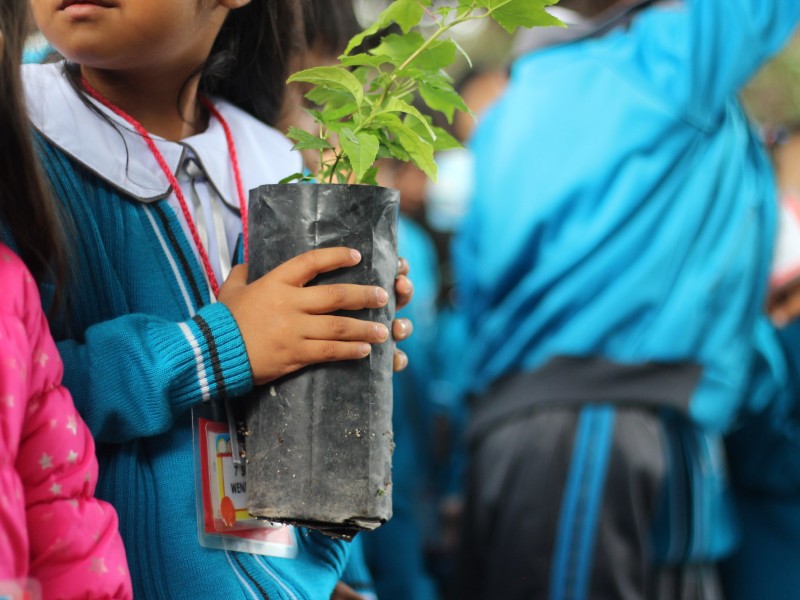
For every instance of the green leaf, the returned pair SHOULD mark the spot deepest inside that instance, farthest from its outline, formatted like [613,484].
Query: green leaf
[361,149]
[399,47]
[321,95]
[511,14]
[464,54]
[441,96]
[293,177]
[419,149]
[344,171]
[440,54]
[398,152]
[445,141]
[306,140]
[335,113]
[364,60]
[335,77]
[406,13]
[398,105]
[385,152]
[316,115]
[441,138]
[370,177]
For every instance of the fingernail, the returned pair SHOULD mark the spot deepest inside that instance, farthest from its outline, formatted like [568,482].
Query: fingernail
[364,349]
[409,287]
[402,361]
[403,325]
[356,255]
[382,332]
[382,296]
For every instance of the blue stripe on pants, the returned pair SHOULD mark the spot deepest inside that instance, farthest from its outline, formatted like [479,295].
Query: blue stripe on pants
[580,508]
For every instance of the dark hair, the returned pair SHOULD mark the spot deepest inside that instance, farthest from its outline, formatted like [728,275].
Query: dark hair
[329,24]
[588,8]
[249,62]
[26,209]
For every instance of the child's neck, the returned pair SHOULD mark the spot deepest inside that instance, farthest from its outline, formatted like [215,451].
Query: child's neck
[160,102]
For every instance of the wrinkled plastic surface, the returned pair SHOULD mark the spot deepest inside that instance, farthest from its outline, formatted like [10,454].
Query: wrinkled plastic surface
[320,441]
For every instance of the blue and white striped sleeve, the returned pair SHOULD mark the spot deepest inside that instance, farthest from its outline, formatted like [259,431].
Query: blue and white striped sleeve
[133,375]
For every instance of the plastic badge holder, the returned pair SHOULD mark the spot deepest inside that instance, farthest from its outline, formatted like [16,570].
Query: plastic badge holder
[223,521]
[786,261]
[20,589]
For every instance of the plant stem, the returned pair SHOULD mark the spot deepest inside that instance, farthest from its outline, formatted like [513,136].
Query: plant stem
[333,168]
[393,78]
[429,13]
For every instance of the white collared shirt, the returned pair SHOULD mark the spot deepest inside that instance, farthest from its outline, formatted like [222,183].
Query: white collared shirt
[120,156]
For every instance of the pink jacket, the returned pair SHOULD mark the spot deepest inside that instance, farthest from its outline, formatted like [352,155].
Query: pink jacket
[52,529]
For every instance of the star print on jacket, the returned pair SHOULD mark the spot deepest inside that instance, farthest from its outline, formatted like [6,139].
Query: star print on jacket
[52,528]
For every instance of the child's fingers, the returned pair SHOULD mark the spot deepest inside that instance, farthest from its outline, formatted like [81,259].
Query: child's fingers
[323,299]
[301,269]
[787,310]
[404,290]
[400,360]
[784,306]
[402,329]
[402,266]
[346,329]
[317,351]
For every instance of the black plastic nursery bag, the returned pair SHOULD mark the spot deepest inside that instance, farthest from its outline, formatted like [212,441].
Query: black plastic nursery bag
[320,441]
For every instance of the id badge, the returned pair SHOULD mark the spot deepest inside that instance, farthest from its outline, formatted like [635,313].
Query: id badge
[223,519]
[20,589]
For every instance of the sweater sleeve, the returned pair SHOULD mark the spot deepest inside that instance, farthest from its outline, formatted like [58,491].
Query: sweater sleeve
[133,375]
[699,53]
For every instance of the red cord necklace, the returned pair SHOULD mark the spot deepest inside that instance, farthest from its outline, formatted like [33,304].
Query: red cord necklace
[173,181]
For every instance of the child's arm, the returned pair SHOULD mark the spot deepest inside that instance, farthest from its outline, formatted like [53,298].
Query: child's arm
[133,375]
[75,547]
[14,542]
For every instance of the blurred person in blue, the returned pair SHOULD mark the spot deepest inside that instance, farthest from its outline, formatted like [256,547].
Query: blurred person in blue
[396,551]
[764,451]
[446,201]
[612,267]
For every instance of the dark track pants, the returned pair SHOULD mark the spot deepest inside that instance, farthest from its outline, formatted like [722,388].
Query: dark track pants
[560,506]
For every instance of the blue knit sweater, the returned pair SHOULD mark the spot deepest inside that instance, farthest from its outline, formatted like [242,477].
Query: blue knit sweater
[141,345]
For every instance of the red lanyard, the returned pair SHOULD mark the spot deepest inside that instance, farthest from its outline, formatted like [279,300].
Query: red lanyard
[173,181]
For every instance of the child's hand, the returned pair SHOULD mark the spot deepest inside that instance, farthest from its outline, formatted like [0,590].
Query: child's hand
[783,305]
[285,326]
[343,591]
[402,328]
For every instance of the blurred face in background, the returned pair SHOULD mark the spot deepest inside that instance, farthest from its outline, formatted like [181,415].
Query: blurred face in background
[295,103]
[787,164]
[479,93]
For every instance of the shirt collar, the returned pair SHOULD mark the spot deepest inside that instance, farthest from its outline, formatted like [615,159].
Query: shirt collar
[120,156]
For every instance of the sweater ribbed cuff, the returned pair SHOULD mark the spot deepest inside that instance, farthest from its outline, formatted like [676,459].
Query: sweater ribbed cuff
[215,366]
[218,326]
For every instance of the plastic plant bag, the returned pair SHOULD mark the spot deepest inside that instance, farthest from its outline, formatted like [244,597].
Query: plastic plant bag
[320,440]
